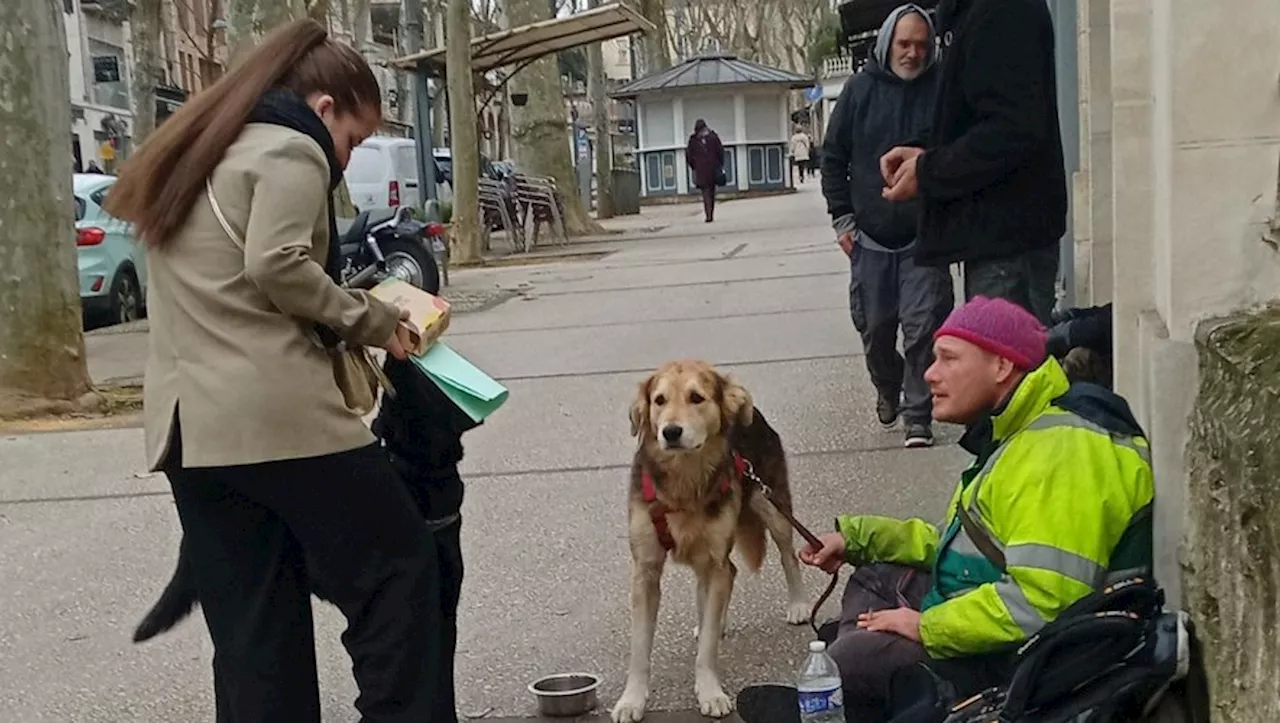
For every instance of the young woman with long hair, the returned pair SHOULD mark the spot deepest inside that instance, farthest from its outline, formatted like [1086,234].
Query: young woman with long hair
[268,466]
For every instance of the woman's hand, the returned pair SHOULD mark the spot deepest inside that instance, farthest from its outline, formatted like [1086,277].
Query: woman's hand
[401,339]
[829,557]
[899,621]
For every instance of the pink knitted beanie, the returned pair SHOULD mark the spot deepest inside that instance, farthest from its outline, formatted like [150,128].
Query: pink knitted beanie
[999,326]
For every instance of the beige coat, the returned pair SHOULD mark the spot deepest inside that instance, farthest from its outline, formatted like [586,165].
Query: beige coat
[231,356]
[800,145]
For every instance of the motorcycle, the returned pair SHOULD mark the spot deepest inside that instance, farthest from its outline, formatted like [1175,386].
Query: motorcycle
[384,243]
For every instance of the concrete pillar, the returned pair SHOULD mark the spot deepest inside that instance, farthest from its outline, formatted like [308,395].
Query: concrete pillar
[1196,147]
[1091,187]
[1131,171]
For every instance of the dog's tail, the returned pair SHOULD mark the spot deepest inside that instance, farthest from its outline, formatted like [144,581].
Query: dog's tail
[749,541]
[176,602]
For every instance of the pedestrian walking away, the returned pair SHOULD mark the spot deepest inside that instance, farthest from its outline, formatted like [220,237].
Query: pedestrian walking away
[800,146]
[989,171]
[270,469]
[705,155]
[879,108]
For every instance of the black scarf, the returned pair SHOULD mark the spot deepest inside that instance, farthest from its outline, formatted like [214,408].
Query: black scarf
[284,108]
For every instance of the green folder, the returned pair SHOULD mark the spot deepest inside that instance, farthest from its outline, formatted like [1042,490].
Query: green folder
[475,392]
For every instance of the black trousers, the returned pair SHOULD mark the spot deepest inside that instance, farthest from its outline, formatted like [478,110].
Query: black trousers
[876,668]
[1028,280]
[709,202]
[255,530]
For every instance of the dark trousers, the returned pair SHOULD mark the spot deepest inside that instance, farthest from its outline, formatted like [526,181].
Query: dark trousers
[888,291]
[255,530]
[1028,280]
[801,166]
[439,493]
[873,664]
[709,202]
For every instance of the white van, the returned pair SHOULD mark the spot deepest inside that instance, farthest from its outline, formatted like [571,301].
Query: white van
[383,172]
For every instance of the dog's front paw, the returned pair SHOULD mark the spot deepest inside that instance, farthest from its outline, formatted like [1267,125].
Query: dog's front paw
[798,612]
[713,701]
[630,707]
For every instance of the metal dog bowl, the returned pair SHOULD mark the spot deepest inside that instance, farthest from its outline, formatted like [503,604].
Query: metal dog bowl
[566,694]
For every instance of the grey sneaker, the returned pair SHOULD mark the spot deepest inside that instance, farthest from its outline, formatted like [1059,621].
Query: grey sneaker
[887,410]
[919,435]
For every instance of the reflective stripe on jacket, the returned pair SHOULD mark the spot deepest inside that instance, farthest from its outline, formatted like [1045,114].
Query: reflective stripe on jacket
[1061,483]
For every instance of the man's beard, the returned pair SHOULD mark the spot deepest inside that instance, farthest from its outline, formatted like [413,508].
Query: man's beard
[905,73]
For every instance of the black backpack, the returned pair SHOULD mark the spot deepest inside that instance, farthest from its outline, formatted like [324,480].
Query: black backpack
[1106,658]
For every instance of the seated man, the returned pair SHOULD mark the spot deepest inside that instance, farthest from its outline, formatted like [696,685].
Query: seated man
[1057,501]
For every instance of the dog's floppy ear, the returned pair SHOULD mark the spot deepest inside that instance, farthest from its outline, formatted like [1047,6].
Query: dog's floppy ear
[736,404]
[640,408]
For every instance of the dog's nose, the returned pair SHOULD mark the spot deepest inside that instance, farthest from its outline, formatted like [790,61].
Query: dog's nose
[672,432]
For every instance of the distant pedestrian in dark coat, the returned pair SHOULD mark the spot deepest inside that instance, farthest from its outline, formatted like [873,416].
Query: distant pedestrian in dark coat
[705,155]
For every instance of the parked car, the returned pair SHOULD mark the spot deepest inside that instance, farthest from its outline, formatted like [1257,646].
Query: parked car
[383,173]
[113,266]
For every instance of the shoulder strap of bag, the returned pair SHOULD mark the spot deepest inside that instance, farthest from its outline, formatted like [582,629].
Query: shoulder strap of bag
[222,219]
[980,538]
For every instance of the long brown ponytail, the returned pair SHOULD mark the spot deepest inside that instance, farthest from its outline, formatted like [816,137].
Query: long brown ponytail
[160,183]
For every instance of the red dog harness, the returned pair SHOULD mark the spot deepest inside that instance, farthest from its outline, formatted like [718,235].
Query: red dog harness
[658,510]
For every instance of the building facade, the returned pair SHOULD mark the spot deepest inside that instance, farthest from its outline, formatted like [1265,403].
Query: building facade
[746,103]
[100,59]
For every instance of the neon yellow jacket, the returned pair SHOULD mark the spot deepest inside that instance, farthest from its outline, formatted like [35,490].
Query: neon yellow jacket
[1061,485]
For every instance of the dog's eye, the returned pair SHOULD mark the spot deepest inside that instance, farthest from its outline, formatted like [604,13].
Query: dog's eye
[696,398]
[659,400]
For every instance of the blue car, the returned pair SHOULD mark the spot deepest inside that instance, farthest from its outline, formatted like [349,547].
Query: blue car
[113,266]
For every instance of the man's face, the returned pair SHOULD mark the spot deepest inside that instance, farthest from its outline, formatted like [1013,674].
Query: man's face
[910,46]
[966,380]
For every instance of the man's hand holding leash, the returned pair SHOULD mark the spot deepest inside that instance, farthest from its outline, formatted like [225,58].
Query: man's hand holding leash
[827,558]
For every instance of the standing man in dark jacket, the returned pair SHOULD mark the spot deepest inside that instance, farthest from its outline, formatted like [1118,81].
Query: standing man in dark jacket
[705,155]
[884,105]
[990,171]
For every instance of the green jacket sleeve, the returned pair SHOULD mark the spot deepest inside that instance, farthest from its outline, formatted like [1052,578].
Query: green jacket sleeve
[870,538]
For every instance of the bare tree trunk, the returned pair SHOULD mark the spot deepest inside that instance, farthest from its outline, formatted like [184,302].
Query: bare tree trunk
[274,13]
[41,341]
[145,24]
[541,127]
[241,26]
[656,46]
[462,134]
[604,134]
[318,10]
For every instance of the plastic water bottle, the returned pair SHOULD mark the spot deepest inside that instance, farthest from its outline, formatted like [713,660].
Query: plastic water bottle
[818,686]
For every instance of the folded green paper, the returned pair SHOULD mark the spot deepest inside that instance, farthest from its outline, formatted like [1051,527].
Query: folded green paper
[475,392]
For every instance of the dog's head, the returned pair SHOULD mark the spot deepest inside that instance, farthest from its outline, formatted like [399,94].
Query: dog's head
[685,404]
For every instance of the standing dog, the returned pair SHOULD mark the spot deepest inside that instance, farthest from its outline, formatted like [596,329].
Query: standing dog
[704,462]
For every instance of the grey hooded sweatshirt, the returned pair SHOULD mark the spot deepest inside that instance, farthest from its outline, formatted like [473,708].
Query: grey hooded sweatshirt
[876,111]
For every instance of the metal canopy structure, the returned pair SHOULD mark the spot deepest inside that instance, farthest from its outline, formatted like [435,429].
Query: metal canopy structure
[522,45]
[716,69]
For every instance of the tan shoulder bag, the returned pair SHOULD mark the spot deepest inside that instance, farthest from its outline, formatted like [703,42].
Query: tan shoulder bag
[356,374]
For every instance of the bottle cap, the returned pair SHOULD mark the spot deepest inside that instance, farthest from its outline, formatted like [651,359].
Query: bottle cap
[817,646]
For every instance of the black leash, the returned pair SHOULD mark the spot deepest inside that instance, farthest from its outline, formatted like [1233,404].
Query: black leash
[898,599]
[808,536]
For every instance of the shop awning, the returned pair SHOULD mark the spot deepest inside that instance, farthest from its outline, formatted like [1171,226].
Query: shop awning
[522,45]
